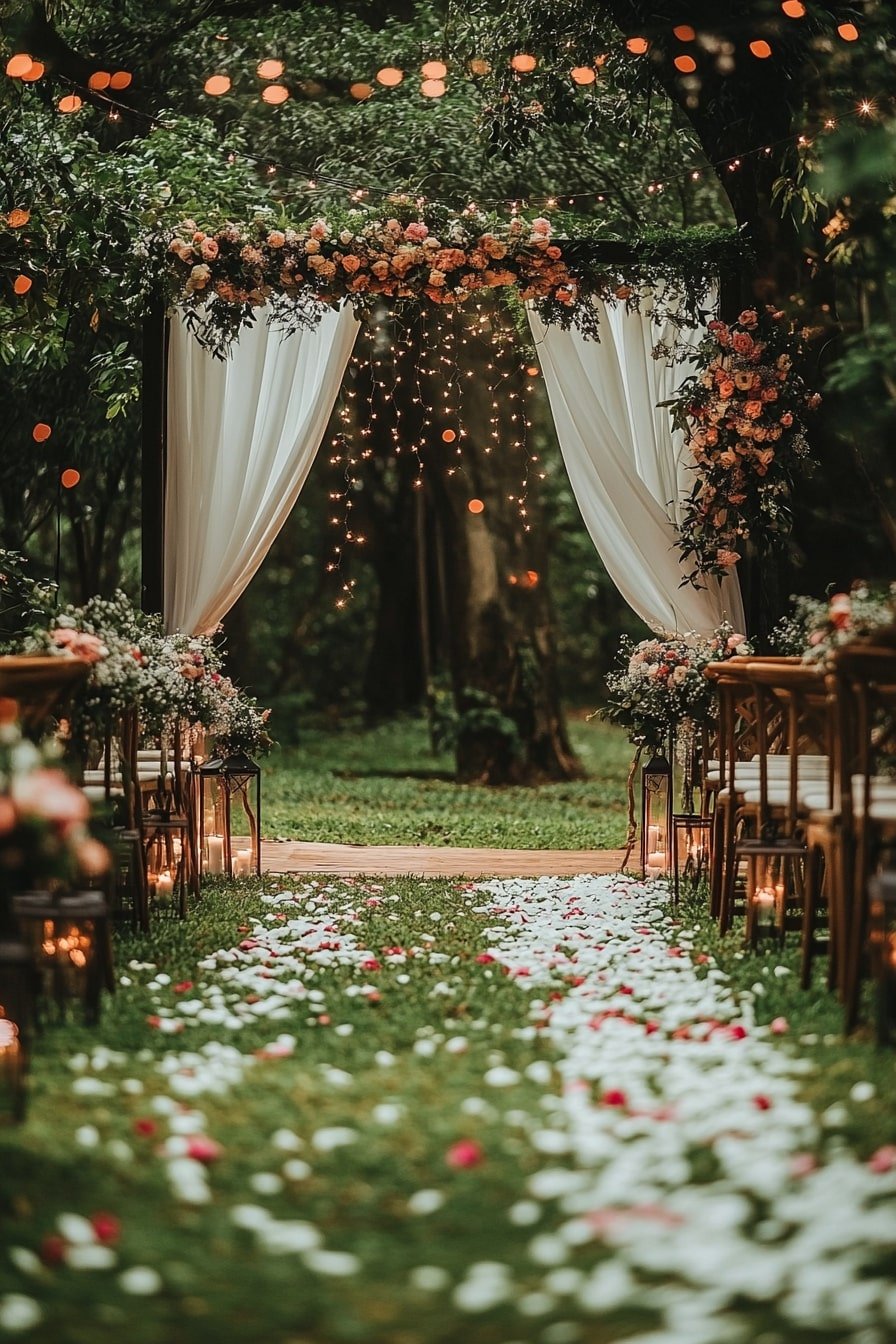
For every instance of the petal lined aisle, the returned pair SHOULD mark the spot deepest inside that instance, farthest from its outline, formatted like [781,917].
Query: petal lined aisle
[525,1110]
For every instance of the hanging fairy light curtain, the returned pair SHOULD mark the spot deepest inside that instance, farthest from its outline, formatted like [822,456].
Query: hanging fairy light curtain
[243,433]
[626,464]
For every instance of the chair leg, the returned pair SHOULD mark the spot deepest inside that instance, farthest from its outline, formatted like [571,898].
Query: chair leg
[811,899]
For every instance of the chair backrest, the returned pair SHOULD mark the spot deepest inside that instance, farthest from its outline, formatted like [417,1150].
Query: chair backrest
[796,694]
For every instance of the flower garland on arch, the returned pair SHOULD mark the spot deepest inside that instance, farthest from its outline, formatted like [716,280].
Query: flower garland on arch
[222,275]
[743,416]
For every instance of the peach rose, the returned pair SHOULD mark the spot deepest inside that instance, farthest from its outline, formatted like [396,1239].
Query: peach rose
[350,264]
[276,238]
[209,249]
[753,409]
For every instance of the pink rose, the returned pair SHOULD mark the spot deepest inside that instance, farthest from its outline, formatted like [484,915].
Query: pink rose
[48,794]
[748,318]
[416,232]
[93,858]
[350,264]
[742,343]
[753,409]
[542,226]
[276,238]
[209,249]
[727,559]
[319,229]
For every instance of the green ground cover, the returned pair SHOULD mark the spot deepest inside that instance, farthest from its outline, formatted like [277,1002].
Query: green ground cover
[95,1153]
[384,786]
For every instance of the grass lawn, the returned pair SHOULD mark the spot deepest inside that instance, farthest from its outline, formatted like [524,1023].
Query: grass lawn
[383,786]
[343,1139]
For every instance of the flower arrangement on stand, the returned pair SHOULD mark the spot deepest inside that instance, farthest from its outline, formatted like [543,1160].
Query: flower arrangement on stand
[659,695]
[743,416]
[815,627]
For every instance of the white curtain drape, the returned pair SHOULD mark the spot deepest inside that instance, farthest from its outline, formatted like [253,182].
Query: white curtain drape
[625,464]
[242,435]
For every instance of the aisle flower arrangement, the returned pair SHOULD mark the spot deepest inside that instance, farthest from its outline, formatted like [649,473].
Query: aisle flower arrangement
[44,820]
[743,415]
[172,681]
[815,627]
[658,688]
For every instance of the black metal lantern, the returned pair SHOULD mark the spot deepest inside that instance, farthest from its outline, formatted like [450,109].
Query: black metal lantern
[230,816]
[70,946]
[166,846]
[656,817]
[882,932]
[16,1026]
[691,836]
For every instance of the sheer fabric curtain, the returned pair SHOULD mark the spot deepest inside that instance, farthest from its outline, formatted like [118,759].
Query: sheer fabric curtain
[626,466]
[242,435]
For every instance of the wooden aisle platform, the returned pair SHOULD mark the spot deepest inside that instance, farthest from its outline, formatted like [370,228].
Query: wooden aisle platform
[295,856]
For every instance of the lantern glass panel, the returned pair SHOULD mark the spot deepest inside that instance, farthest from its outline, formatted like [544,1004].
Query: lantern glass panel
[656,817]
[766,896]
[882,931]
[213,818]
[68,937]
[241,779]
[16,1022]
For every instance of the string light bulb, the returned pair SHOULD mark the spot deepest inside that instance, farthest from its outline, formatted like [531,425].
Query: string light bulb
[848,32]
[18,64]
[216,85]
[390,76]
[274,94]
[269,68]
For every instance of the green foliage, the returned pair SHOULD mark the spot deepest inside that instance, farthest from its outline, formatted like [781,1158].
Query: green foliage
[475,714]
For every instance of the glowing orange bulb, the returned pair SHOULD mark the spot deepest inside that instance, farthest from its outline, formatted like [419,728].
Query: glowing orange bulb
[18,218]
[582,74]
[478,66]
[360,91]
[70,103]
[476,506]
[433,69]
[275,94]
[532,577]
[70,478]
[849,32]
[390,76]
[36,71]
[523,64]
[215,85]
[22,284]
[41,432]
[686,64]
[432,88]
[794,9]
[18,65]
[448,435]
[533,370]
[100,79]
[637,45]
[684,32]
[761,50]
[122,79]
[270,69]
